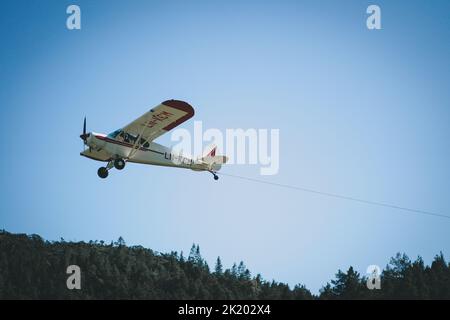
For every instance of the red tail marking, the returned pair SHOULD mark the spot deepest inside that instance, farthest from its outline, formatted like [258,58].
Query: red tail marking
[213,152]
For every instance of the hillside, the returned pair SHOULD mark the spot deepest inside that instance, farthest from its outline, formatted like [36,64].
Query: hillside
[31,268]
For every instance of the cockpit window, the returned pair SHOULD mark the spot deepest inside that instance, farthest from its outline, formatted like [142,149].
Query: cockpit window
[114,134]
[127,137]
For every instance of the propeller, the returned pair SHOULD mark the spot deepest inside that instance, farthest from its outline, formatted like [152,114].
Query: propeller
[84,135]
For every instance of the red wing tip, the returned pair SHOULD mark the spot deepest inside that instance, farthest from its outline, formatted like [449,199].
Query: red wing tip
[180,105]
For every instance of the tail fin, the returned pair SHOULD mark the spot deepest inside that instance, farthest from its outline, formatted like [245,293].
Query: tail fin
[209,157]
[210,151]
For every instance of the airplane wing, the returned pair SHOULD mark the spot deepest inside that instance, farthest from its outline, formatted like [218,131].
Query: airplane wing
[160,119]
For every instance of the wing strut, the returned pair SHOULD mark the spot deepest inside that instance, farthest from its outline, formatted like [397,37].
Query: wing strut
[138,145]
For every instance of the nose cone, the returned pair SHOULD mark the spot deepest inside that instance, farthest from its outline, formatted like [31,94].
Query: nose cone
[85,136]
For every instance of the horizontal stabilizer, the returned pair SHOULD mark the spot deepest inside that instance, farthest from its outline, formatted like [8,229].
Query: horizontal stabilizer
[211,160]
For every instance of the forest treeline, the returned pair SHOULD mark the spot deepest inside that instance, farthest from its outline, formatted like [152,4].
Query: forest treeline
[31,268]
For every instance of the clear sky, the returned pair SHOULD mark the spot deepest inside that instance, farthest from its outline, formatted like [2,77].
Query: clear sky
[361,113]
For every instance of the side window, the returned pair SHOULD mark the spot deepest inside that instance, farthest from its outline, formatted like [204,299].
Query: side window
[144,143]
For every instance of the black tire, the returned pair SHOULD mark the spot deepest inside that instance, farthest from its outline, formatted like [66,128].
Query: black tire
[102,172]
[119,164]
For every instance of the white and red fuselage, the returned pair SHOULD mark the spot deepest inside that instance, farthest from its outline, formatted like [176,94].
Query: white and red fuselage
[104,148]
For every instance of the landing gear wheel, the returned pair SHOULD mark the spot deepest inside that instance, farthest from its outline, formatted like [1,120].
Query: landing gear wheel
[119,164]
[216,177]
[102,172]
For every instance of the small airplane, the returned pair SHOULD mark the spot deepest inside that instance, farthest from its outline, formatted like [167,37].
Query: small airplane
[134,142]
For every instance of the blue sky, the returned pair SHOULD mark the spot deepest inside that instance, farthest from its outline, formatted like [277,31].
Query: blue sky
[361,113]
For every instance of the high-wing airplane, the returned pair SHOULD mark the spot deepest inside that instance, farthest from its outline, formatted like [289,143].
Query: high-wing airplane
[134,142]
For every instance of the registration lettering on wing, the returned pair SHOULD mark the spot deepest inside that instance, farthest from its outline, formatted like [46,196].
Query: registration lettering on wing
[158,118]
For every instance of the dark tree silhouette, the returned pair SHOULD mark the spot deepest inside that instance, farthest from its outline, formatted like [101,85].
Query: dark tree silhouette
[31,268]
[218,268]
